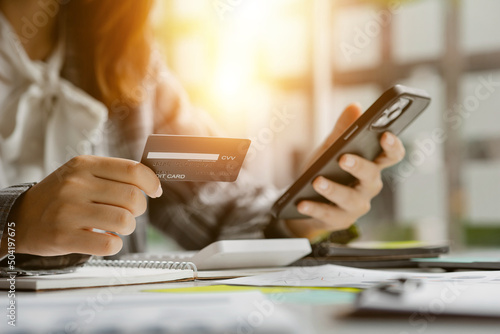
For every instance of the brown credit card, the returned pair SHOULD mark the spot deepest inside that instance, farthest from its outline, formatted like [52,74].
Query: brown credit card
[189,158]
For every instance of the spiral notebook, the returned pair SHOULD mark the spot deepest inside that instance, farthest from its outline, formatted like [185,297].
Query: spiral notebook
[100,273]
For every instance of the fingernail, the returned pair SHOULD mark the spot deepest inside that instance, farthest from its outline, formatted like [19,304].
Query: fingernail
[358,105]
[158,192]
[389,139]
[304,208]
[322,184]
[349,161]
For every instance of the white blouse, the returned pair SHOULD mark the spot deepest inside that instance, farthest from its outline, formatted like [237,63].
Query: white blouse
[44,119]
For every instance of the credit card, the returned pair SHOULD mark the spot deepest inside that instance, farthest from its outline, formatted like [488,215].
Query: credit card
[201,159]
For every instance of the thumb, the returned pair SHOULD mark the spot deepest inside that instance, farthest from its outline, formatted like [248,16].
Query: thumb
[350,114]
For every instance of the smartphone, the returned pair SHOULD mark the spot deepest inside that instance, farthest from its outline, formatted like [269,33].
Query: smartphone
[393,111]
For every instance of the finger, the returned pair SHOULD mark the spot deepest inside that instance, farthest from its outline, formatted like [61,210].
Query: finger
[367,172]
[393,153]
[347,198]
[350,114]
[92,215]
[131,172]
[125,171]
[118,194]
[326,216]
[95,243]
[107,218]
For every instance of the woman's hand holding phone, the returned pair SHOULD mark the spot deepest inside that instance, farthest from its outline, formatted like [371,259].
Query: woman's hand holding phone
[350,202]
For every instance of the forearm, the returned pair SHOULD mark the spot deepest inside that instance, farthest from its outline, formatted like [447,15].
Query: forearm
[198,214]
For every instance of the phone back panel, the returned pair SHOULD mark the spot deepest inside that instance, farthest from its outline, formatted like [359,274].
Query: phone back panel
[361,138]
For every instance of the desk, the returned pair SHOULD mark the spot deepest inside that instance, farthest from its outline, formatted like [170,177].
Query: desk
[322,318]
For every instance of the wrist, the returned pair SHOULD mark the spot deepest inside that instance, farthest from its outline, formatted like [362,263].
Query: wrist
[301,228]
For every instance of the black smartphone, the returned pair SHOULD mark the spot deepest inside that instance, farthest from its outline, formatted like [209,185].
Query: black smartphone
[393,111]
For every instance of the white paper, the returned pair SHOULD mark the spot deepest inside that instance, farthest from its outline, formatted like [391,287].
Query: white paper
[338,276]
[106,312]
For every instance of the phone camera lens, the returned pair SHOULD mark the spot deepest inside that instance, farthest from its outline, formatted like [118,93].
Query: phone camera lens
[391,113]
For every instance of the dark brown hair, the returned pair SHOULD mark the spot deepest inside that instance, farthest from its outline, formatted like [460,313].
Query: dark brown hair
[112,44]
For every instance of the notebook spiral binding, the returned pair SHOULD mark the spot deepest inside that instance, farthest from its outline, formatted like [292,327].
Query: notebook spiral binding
[142,264]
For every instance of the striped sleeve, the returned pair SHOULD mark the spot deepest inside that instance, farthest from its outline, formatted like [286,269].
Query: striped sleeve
[196,214]
[8,197]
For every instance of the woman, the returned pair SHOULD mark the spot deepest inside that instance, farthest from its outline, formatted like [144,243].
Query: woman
[80,84]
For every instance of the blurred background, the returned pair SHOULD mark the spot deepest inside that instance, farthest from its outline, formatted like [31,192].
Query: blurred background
[281,71]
